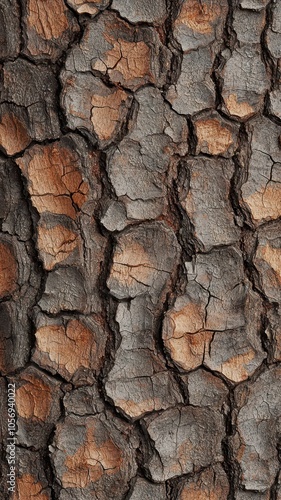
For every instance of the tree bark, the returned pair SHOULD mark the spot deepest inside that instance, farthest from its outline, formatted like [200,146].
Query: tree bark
[140,249]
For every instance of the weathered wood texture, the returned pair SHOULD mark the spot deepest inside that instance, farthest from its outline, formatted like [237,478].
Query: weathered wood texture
[140,248]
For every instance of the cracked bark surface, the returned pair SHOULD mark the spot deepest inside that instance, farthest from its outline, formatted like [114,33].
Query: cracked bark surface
[140,248]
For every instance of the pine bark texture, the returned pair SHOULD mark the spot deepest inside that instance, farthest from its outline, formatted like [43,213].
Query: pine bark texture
[140,248]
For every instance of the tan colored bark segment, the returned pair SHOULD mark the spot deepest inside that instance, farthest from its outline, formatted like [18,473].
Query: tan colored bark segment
[91,461]
[189,319]
[277,349]
[27,487]
[130,55]
[47,18]
[209,485]
[266,204]
[272,256]
[130,59]
[13,134]
[85,6]
[68,348]
[133,409]
[194,492]
[213,136]
[55,244]
[242,110]
[54,178]
[235,368]
[198,16]
[184,335]
[132,264]
[133,61]
[188,351]
[105,114]
[33,399]
[8,271]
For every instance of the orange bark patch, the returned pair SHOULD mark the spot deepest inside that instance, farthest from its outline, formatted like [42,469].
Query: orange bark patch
[209,484]
[213,136]
[190,319]
[68,348]
[54,177]
[198,16]
[273,257]
[81,196]
[134,409]
[8,271]
[188,350]
[199,492]
[84,6]
[241,109]
[33,399]
[132,264]
[28,488]
[194,493]
[266,204]
[131,59]
[91,461]
[55,244]
[47,18]
[106,113]
[13,134]
[235,368]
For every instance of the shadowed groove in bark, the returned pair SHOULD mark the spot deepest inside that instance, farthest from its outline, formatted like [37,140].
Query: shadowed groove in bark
[173,9]
[230,466]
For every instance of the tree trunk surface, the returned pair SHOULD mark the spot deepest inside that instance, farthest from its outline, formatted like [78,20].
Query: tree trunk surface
[140,249]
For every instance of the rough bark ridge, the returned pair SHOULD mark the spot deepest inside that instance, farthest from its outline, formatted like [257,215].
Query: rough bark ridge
[140,248]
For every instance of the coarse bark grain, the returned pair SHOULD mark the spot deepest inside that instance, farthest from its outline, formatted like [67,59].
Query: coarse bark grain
[140,249]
